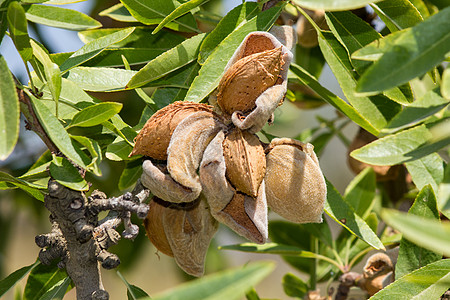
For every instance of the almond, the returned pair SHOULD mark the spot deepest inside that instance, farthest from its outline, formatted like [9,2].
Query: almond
[154,138]
[245,161]
[247,79]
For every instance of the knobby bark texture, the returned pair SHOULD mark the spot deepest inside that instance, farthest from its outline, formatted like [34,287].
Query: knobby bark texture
[80,241]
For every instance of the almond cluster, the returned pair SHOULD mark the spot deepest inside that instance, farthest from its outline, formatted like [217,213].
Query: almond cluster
[206,165]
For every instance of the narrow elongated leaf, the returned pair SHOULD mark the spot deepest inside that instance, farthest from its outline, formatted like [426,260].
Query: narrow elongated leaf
[66,174]
[11,280]
[100,79]
[360,192]
[393,149]
[213,68]
[427,170]
[4,18]
[414,52]
[427,105]
[41,279]
[376,49]
[18,30]
[57,291]
[60,17]
[167,62]
[377,110]
[332,99]
[238,16]
[55,131]
[429,282]
[94,150]
[9,111]
[96,114]
[179,11]
[118,12]
[31,189]
[354,34]
[332,5]
[429,234]
[51,71]
[344,214]
[230,284]
[411,256]
[94,48]
[133,291]
[151,12]
[397,14]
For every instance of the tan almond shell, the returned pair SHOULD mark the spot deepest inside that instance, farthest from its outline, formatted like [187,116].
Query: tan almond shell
[154,138]
[245,161]
[154,227]
[245,80]
[295,186]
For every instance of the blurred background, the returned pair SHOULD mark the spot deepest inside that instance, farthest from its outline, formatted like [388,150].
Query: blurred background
[22,217]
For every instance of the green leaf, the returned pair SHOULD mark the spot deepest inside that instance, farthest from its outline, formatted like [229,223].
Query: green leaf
[94,150]
[58,290]
[118,150]
[444,193]
[427,170]
[339,210]
[9,111]
[133,292]
[397,14]
[229,284]
[11,280]
[18,29]
[130,174]
[377,110]
[150,12]
[238,16]
[167,62]
[100,79]
[429,282]
[429,234]
[41,279]
[426,106]
[96,114]
[118,13]
[360,192]
[312,59]
[376,49]
[95,47]
[3,18]
[411,256]
[31,189]
[445,85]
[332,99]
[332,5]
[55,131]
[214,66]
[354,34]
[51,71]
[60,17]
[179,11]
[66,174]
[294,286]
[407,145]
[413,53]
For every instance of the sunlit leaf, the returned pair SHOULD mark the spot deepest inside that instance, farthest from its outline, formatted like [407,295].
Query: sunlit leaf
[96,114]
[397,14]
[229,284]
[118,12]
[412,54]
[9,111]
[179,11]
[18,30]
[93,48]
[445,85]
[426,170]
[332,5]
[60,17]
[167,62]
[100,79]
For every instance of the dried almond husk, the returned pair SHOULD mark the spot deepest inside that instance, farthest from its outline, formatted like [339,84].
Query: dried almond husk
[295,186]
[154,227]
[154,138]
[245,80]
[245,161]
